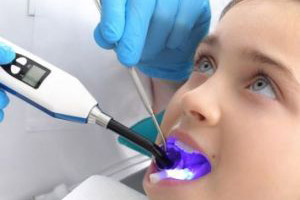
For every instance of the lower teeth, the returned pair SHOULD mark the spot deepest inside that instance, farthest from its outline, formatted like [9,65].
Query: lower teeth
[184,147]
[179,174]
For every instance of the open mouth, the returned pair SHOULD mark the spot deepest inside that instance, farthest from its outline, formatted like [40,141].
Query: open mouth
[189,164]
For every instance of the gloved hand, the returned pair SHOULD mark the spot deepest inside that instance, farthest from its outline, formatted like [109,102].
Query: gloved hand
[157,36]
[6,56]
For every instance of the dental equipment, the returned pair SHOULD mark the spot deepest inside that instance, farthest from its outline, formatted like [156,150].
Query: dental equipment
[140,89]
[145,100]
[62,96]
[189,164]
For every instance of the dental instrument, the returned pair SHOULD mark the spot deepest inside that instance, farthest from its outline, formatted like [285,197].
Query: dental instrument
[62,96]
[188,164]
[145,100]
[140,89]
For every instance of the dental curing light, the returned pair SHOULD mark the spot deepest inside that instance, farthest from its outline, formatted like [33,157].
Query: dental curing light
[62,96]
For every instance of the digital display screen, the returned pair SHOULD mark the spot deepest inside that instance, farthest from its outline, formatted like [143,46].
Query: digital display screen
[34,75]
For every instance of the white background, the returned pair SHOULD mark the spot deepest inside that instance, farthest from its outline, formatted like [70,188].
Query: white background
[37,152]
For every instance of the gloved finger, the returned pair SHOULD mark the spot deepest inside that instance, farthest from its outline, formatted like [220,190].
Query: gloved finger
[112,20]
[3,99]
[7,54]
[161,27]
[100,40]
[198,33]
[138,16]
[188,15]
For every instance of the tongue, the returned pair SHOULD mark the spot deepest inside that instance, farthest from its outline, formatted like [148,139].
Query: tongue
[200,170]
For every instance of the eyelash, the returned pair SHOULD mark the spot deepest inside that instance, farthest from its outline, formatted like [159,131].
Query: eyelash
[262,73]
[259,72]
[201,55]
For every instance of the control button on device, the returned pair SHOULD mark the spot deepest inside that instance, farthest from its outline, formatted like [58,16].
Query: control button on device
[15,69]
[22,61]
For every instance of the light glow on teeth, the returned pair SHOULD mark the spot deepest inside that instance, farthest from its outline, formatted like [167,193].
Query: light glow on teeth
[184,147]
[179,174]
[189,164]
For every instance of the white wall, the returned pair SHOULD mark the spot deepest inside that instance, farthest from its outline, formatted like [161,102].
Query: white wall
[217,7]
[37,152]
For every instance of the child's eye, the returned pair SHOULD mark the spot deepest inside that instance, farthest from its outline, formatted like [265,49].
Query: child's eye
[205,66]
[263,86]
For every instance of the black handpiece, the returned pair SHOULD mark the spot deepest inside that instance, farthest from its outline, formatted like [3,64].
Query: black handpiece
[161,158]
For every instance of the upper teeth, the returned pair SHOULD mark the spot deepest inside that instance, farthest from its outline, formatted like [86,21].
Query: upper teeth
[185,147]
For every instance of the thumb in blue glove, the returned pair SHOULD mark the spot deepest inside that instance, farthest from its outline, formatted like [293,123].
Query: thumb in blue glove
[157,36]
[123,27]
[7,55]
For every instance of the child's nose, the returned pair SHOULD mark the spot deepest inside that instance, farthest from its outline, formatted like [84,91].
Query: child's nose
[202,105]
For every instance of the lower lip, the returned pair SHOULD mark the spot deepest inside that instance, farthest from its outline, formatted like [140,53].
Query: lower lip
[165,182]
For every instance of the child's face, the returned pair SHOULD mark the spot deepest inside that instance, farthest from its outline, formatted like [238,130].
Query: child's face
[248,125]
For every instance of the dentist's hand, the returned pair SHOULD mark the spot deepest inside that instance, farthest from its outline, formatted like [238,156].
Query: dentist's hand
[157,36]
[6,56]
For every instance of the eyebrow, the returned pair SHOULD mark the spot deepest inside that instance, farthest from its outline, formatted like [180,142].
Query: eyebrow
[260,57]
[211,40]
[255,55]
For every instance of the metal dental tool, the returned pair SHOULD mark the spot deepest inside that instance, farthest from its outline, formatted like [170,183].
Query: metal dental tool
[62,96]
[141,91]
[145,100]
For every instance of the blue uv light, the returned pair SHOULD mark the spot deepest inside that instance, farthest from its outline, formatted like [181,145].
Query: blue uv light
[187,165]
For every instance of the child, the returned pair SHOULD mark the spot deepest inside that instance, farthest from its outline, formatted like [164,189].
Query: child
[241,107]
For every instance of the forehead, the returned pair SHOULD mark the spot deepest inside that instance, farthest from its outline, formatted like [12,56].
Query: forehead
[266,25]
[264,20]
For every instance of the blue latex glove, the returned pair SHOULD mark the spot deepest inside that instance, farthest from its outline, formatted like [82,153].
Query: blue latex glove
[6,56]
[145,128]
[157,36]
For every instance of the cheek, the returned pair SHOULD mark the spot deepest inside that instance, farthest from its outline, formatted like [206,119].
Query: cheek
[260,152]
[173,111]
[258,131]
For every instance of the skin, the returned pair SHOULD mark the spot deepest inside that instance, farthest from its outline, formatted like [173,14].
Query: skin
[162,92]
[251,138]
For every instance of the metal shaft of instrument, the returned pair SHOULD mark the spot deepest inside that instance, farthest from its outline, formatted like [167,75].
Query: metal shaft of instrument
[98,5]
[141,90]
[143,95]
